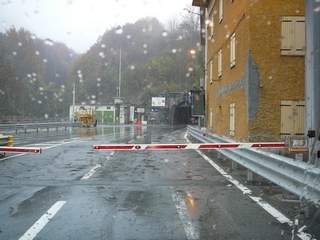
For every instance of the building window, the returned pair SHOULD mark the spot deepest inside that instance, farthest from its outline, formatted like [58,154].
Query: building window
[233,50]
[293,36]
[232,119]
[211,71]
[220,63]
[292,118]
[220,11]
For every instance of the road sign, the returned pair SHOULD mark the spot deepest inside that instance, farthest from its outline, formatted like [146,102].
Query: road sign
[158,102]
[183,146]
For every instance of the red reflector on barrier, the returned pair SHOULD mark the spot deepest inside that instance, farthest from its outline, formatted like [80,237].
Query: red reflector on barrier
[136,147]
[20,150]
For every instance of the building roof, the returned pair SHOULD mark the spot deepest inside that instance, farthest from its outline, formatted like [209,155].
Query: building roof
[199,3]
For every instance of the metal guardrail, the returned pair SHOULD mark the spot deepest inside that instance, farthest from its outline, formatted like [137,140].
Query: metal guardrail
[24,127]
[295,176]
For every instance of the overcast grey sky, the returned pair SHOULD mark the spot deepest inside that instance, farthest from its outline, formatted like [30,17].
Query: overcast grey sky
[79,23]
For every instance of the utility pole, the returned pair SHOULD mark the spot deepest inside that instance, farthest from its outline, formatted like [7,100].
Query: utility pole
[120,72]
[312,80]
[73,100]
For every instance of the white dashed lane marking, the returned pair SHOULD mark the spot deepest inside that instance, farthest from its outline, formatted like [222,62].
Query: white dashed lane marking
[34,230]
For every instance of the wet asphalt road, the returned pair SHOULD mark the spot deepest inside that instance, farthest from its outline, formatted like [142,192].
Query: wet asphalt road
[125,195]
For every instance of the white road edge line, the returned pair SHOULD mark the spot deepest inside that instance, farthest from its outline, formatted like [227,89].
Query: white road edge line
[246,191]
[189,229]
[33,231]
[16,155]
[91,172]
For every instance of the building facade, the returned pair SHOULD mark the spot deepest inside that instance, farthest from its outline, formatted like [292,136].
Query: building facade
[254,67]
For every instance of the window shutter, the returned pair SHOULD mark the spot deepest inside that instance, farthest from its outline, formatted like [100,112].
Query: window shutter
[232,115]
[220,63]
[293,35]
[300,36]
[220,11]
[287,35]
[233,50]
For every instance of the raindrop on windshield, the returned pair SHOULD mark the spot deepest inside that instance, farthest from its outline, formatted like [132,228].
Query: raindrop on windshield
[14,53]
[39,102]
[93,96]
[19,44]
[45,60]
[98,79]
[164,34]
[41,89]
[128,36]
[2,92]
[145,52]
[174,50]
[101,54]
[119,30]
[145,45]
[48,42]
[37,53]
[103,45]
[46,116]
[132,67]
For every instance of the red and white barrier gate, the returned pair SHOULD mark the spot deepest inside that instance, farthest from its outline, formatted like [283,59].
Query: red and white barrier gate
[20,150]
[136,147]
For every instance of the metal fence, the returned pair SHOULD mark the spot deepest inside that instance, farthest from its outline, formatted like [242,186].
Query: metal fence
[33,127]
[297,177]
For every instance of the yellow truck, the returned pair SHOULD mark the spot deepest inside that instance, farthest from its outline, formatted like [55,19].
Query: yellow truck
[86,118]
[5,140]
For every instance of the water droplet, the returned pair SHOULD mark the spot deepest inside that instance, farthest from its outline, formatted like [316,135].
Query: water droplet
[39,102]
[34,74]
[93,102]
[174,50]
[2,92]
[119,30]
[98,84]
[145,52]
[132,67]
[106,64]
[48,42]
[164,34]
[317,9]
[57,75]
[19,44]
[37,53]
[268,22]
[46,116]
[14,53]
[60,100]
[45,60]
[187,75]
[145,45]
[144,30]
[33,36]
[93,96]
[128,36]
[190,69]
[63,86]
[101,54]
[103,45]
[98,79]
[41,89]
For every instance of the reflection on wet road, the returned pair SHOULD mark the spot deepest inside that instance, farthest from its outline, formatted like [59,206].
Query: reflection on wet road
[73,192]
